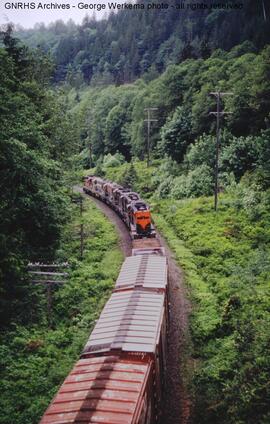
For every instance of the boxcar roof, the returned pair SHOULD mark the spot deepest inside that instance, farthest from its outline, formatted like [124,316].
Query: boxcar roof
[99,390]
[147,271]
[130,321]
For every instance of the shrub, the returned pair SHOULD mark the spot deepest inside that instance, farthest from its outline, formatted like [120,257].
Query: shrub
[198,182]
[201,152]
[112,161]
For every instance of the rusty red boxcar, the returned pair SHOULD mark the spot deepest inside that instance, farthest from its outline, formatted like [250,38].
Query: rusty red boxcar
[107,390]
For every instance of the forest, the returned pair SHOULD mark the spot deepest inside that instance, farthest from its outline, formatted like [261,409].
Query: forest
[73,101]
[130,44]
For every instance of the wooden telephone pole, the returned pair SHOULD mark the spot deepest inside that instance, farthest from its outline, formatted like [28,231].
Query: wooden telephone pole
[79,201]
[148,110]
[218,114]
[48,276]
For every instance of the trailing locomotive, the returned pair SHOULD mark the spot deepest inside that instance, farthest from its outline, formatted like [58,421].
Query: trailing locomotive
[120,377]
[128,204]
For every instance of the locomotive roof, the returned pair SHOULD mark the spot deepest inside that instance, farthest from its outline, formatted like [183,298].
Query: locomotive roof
[104,389]
[139,205]
[130,322]
[147,271]
[131,195]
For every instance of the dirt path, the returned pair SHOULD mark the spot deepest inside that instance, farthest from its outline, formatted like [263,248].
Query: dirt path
[177,407]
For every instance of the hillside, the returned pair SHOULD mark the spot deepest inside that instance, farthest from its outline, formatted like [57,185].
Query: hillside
[111,120]
[144,42]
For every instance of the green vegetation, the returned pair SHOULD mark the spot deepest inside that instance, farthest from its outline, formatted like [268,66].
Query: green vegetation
[226,260]
[34,358]
[33,160]
[110,120]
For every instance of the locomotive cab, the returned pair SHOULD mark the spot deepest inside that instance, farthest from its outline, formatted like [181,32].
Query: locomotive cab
[125,201]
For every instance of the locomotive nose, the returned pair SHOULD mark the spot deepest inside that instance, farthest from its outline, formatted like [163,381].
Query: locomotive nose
[143,222]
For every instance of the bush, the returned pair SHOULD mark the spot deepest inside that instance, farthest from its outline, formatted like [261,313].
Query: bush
[240,155]
[198,182]
[164,188]
[201,152]
[176,134]
[112,161]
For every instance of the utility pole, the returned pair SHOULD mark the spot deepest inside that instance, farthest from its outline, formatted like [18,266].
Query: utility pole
[148,110]
[88,124]
[90,152]
[218,114]
[48,276]
[264,11]
[79,200]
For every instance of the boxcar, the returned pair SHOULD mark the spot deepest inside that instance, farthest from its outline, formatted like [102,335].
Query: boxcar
[146,271]
[133,326]
[106,389]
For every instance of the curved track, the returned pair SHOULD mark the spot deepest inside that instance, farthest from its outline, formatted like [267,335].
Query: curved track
[177,408]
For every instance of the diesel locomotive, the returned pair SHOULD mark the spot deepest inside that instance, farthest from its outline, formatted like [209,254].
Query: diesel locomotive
[128,204]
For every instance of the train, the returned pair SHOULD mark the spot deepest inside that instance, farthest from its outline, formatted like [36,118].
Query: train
[126,203]
[120,377]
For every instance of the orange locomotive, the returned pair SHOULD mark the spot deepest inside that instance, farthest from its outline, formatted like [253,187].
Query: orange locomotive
[128,204]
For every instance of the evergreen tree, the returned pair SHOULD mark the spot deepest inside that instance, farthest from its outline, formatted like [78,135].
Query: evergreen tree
[32,206]
[129,177]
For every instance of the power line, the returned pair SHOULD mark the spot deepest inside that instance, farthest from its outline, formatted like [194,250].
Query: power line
[218,114]
[148,110]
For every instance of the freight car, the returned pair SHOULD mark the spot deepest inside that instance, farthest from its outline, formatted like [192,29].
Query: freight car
[106,389]
[120,377]
[133,210]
